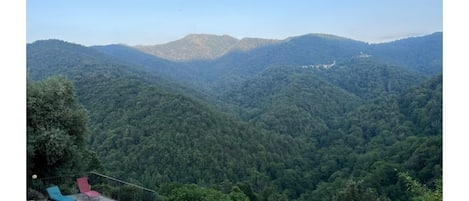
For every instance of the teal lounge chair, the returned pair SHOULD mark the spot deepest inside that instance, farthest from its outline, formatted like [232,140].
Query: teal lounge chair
[55,194]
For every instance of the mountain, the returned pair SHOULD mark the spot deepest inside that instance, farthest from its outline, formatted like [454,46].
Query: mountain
[308,118]
[246,58]
[312,49]
[134,57]
[144,129]
[301,100]
[423,54]
[183,73]
[203,47]
[235,67]
[193,47]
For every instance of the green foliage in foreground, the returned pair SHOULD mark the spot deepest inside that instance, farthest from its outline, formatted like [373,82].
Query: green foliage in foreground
[56,135]
[56,129]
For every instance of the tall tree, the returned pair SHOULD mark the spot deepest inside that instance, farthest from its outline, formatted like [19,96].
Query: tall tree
[56,128]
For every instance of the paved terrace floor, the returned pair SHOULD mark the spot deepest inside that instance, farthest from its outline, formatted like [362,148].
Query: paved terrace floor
[81,197]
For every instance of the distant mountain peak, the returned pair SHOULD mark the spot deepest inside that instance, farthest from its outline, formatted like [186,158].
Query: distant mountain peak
[322,36]
[208,40]
[209,36]
[193,47]
[203,47]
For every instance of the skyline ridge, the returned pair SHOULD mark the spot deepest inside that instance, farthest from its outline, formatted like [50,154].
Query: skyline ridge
[243,38]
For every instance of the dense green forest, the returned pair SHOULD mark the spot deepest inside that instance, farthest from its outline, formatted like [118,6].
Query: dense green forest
[362,129]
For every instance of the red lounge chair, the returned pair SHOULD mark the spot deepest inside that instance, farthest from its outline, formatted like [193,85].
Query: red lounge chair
[85,188]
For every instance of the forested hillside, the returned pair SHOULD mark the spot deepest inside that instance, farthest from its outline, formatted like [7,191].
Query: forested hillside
[158,136]
[368,78]
[220,74]
[184,73]
[423,54]
[303,100]
[192,47]
[54,57]
[311,118]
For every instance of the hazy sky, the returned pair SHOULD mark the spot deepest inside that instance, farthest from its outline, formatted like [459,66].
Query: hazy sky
[133,22]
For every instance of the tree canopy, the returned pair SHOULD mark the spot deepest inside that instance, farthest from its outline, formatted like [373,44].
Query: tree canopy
[56,129]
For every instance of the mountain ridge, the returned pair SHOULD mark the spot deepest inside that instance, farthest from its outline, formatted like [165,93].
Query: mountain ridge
[211,46]
[421,54]
[203,47]
[193,46]
[296,127]
[215,46]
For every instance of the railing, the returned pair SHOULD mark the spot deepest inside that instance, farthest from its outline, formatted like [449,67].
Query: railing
[121,190]
[106,185]
[37,186]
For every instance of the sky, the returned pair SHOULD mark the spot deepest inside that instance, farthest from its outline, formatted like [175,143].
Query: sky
[149,22]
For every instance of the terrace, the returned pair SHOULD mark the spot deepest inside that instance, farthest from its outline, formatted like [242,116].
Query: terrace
[111,189]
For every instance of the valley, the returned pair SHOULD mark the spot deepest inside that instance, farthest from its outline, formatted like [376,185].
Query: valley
[309,117]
